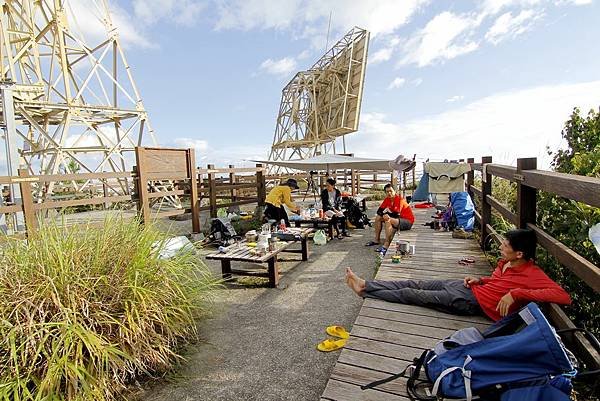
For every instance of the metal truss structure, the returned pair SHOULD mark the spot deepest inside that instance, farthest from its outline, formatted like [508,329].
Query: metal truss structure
[322,104]
[67,104]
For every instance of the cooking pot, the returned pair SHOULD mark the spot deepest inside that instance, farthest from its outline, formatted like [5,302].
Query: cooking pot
[403,247]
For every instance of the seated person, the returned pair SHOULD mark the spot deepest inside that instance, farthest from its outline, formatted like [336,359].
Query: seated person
[393,214]
[331,199]
[515,282]
[279,196]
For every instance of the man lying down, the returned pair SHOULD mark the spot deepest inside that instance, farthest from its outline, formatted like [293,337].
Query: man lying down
[515,282]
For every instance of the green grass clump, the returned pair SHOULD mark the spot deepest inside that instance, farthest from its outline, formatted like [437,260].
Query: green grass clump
[84,311]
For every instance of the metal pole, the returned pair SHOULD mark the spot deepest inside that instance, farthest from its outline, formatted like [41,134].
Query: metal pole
[12,152]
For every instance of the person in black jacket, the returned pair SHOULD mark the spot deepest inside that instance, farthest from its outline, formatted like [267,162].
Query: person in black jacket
[331,198]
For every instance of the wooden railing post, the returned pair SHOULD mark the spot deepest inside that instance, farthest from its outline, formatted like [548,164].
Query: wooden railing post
[142,185]
[526,196]
[212,188]
[352,183]
[232,181]
[194,201]
[27,199]
[105,193]
[470,178]
[261,186]
[486,208]
[404,181]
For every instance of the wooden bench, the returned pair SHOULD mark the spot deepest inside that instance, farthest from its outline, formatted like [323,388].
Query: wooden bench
[241,252]
[315,224]
[387,336]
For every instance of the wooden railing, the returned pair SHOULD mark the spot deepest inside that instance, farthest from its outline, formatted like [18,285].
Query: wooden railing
[226,187]
[529,181]
[207,188]
[31,187]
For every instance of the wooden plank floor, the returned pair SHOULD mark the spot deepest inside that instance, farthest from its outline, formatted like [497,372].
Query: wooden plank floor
[387,336]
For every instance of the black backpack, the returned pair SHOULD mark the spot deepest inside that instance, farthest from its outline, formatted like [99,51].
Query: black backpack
[355,215]
[222,230]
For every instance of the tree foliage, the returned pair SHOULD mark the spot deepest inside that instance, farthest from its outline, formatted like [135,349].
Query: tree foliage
[569,221]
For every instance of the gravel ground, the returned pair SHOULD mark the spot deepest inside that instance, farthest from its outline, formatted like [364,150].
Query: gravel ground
[260,344]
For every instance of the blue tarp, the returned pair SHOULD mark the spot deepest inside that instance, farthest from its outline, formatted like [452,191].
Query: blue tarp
[463,209]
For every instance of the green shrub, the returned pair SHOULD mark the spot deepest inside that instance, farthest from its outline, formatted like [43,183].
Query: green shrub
[84,311]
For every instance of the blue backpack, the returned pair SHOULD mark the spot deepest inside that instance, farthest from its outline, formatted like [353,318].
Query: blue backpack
[520,357]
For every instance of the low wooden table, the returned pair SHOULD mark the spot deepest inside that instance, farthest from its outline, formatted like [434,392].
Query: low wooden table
[315,223]
[241,253]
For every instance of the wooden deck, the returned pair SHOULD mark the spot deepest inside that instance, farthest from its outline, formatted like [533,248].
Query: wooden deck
[387,336]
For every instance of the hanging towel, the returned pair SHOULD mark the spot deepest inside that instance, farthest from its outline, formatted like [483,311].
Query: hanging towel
[446,177]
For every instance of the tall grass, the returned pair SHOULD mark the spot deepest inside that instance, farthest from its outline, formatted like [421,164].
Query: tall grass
[84,311]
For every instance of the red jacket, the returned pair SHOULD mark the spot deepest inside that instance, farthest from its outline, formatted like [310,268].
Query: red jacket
[398,208]
[525,283]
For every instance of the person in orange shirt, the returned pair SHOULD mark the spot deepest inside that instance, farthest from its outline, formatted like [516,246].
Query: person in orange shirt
[393,214]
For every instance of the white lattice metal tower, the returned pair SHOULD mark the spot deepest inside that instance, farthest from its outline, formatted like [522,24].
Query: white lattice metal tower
[74,103]
[322,104]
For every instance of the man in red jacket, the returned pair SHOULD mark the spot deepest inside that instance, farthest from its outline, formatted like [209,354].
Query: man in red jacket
[393,214]
[515,282]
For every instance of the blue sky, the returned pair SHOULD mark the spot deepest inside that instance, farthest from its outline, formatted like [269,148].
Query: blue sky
[444,79]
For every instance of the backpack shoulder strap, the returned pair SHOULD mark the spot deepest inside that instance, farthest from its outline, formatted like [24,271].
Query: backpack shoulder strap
[415,370]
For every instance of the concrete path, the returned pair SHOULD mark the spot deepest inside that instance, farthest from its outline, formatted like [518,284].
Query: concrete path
[260,344]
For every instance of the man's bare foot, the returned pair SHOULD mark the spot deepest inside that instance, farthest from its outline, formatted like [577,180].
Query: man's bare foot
[356,283]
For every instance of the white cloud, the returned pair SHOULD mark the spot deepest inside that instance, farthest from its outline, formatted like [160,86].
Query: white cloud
[381,55]
[85,18]
[238,155]
[455,98]
[281,67]
[304,54]
[385,52]
[199,145]
[417,81]
[446,36]
[396,83]
[574,2]
[311,16]
[507,26]
[506,125]
[184,12]
[492,7]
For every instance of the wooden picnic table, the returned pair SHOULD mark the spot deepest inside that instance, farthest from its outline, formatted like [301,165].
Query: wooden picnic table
[241,252]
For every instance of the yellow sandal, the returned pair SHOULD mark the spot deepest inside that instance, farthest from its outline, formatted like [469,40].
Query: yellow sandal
[331,345]
[337,331]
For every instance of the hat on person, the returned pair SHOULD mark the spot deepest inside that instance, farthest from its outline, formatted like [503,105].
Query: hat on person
[292,183]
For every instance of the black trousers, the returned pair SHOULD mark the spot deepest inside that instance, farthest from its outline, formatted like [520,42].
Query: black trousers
[445,295]
[339,221]
[276,213]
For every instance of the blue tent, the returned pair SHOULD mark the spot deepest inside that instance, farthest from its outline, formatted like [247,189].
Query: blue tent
[422,191]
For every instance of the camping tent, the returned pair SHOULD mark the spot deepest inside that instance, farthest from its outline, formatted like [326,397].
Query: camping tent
[329,162]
